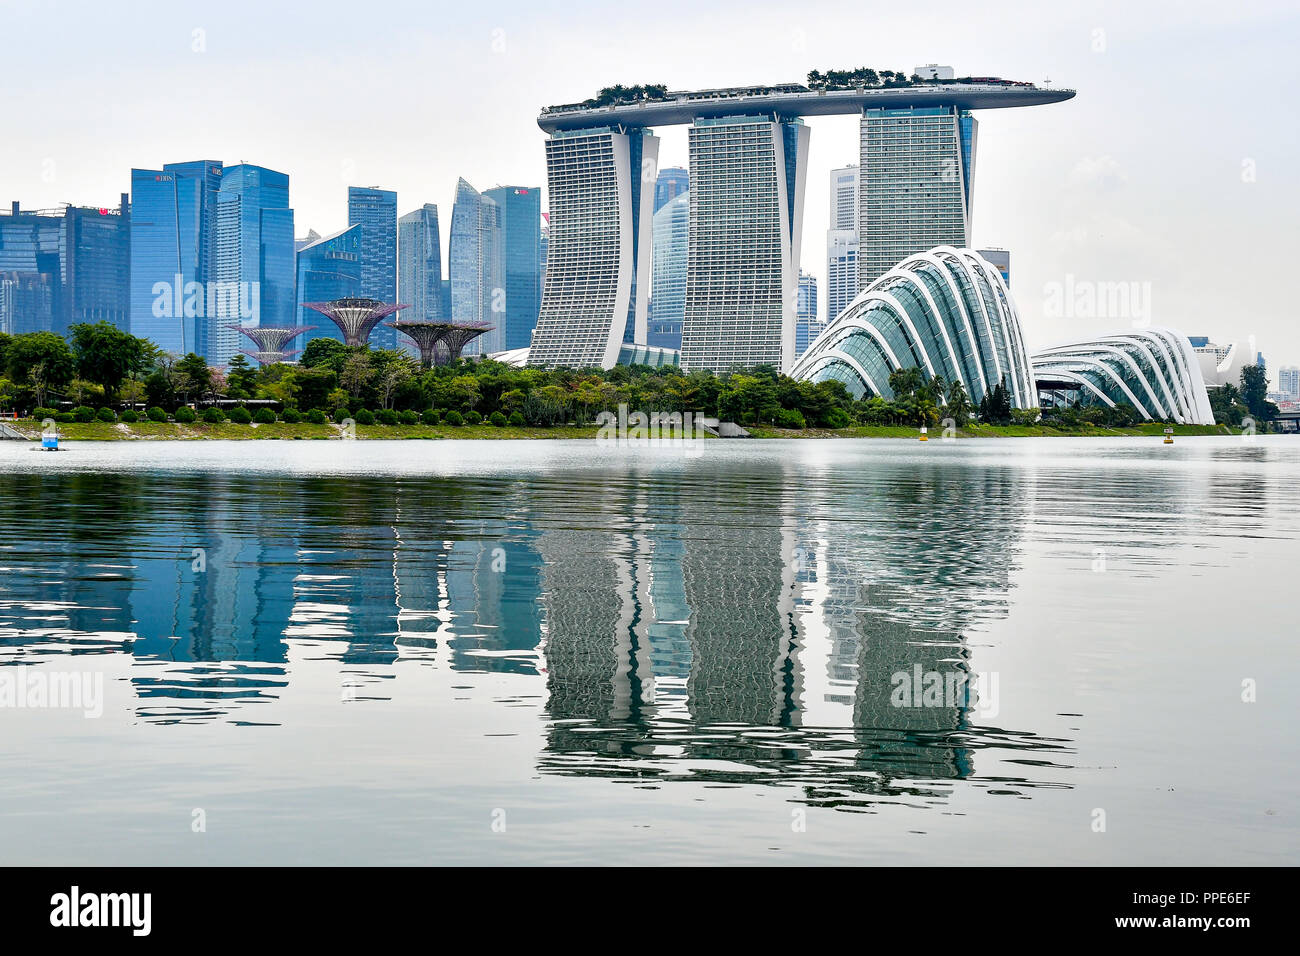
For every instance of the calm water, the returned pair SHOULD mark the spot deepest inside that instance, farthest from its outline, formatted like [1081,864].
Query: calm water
[425,652]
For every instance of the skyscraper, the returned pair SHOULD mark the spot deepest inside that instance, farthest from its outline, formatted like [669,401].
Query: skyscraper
[668,290]
[916,168]
[173,227]
[808,325]
[419,273]
[669,184]
[328,268]
[1001,259]
[253,262]
[520,209]
[842,241]
[599,245]
[747,176]
[474,265]
[375,211]
[1288,381]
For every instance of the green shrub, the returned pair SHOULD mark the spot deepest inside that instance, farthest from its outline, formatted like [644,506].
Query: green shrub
[214,415]
[473,418]
[156,414]
[408,417]
[265,416]
[838,418]
[239,415]
[291,416]
[364,416]
[431,417]
[341,415]
[185,415]
[65,418]
[43,412]
[386,416]
[453,418]
[497,419]
[83,414]
[516,419]
[317,417]
[130,417]
[106,415]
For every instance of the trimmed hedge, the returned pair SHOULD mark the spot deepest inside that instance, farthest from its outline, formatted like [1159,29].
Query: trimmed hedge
[83,413]
[516,419]
[65,418]
[265,416]
[130,417]
[497,419]
[239,415]
[292,416]
[453,418]
[473,418]
[214,415]
[106,415]
[431,417]
[156,414]
[408,417]
[185,415]
[42,412]
[317,417]
[386,416]
[364,416]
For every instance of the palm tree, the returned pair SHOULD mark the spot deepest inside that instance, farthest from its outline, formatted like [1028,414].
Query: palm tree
[959,406]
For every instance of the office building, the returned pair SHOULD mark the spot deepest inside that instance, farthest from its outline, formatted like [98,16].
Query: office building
[375,211]
[1288,381]
[668,285]
[808,326]
[520,212]
[329,269]
[477,287]
[842,241]
[419,272]
[669,184]
[1001,260]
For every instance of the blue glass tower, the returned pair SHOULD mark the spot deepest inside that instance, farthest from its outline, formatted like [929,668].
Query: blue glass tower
[328,268]
[375,211]
[669,184]
[253,264]
[474,265]
[173,222]
[419,276]
[521,237]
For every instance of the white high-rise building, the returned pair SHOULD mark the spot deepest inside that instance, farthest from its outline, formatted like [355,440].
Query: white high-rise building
[842,241]
[746,219]
[599,245]
[916,168]
[1288,381]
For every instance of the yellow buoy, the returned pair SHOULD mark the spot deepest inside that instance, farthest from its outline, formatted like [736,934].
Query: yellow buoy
[1169,436]
[924,436]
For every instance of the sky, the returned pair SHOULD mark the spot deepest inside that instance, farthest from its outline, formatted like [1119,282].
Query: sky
[1172,172]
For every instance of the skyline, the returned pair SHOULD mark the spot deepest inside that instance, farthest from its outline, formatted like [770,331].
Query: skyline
[1089,191]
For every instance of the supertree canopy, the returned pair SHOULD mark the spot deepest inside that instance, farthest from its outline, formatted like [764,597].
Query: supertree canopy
[356,318]
[270,341]
[441,342]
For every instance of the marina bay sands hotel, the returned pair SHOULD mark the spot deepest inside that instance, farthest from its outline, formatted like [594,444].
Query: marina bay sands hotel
[748,171]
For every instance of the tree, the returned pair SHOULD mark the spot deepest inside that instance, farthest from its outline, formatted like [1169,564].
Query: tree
[356,373]
[42,361]
[1254,392]
[905,382]
[323,352]
[193,377]
[242,378]
[106,355]
[959,407]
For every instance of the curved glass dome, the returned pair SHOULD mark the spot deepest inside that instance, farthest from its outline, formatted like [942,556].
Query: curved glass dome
[1154,370]
[946,311]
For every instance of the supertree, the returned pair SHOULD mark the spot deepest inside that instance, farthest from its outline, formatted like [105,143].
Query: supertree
[441,342]
[271,340]
[355,317]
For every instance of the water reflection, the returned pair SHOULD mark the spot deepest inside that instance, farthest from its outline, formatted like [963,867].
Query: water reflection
[742,626]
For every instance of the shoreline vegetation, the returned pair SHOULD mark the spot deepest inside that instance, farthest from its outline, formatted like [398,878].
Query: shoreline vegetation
[305,431]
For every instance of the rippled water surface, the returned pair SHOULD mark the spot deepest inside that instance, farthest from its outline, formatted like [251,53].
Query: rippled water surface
[425,652]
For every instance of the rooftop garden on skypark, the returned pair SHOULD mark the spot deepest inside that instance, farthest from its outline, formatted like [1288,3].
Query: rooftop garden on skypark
[866,78]
[620,95]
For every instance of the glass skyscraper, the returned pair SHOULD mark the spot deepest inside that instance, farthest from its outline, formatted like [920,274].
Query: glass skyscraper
[375,211]
[173,226]
[916,167]
[747,175]
[474,266]
[668,290]
[808,326]
[520,209]
[328,268]
[419,272]
[253,261]
[669,184]
[60,267]
[842,242]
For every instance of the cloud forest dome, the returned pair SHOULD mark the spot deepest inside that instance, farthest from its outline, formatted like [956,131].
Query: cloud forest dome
[946,311]
[1154,370]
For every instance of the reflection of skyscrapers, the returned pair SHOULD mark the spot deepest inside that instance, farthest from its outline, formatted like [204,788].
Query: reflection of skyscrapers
[375,211]
[746,222]
[475,265]
[917,167]
[520,211]
[668,292]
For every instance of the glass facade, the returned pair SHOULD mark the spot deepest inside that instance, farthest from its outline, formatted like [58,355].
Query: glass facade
[842,241]
[520,208]
[475,267]
[375,211]
[173,226]
[328,269]
[946,312]
[669,184]
[668,289]
[809,325]
[1154,370]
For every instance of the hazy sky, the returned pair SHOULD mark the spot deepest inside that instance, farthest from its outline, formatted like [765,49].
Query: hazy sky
[1174,168]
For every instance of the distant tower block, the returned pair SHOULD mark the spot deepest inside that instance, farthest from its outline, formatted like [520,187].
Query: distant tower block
[441,342]
[271,341]
[356,318]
